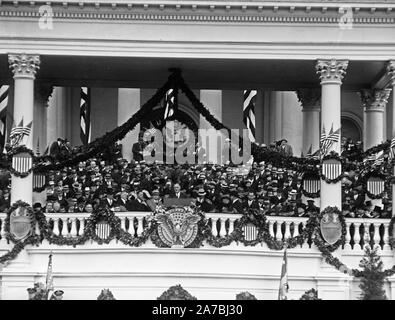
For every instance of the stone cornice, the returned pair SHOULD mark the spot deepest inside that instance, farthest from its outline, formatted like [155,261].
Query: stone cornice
[200,11]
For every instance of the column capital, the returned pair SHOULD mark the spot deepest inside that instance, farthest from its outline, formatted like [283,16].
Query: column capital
[391,71]
[24,65]
[331,71]
[374,99]
[310,98]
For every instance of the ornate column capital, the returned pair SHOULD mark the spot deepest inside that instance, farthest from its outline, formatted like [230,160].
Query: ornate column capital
[24,65]
[391,71]
[310,98]
[331,71]
[42,92]
[374,100]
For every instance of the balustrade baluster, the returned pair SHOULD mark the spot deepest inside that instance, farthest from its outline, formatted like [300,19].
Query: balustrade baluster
[56,229]
[376,234]
[287,230]
[214,227]
[73,229]
[386,238]
[2,229]
[277,232]
[65,230]
[357,236]
[295,229]
[36,228]
[139,225]
[347,244]
[231,225]
[222,229]
[123,222]
[82,227]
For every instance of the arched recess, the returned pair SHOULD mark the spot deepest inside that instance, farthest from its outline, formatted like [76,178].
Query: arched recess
[351,126]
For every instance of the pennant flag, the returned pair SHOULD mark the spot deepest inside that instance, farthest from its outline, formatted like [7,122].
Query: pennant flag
[379,159]
[38,147]
[249,112]
[49,279]
[283,291]
[309,152]
[46,151]
[170,104]
[85,115]
[4,93]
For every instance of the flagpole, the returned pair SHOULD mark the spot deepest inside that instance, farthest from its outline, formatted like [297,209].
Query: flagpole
[283,289]
[49,277]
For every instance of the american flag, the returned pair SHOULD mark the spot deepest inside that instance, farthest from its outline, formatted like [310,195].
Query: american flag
[18,132]
[392,149]
[249,112]
[170,104]
[283,290]
[4,93]
[49,278]
[85,115]
[327,141]
[379,158]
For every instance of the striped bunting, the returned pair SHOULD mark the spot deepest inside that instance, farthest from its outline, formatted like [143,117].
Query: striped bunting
[312,185]
[249,112]
[103,230]
[170,103]
[4,93]
[250,232]
[85,115]
[331,170]
[38,180]
[392,149]
[22,162]
[375,186]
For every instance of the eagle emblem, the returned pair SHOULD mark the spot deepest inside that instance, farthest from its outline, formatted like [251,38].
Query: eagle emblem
[331,228]
[21,223]
[177,227]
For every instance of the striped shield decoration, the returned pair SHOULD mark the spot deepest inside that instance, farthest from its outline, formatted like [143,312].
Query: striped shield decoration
[103,229]
[250,232]
[311,185]
[375,186]
[22,162]
[38,180]
[331,169]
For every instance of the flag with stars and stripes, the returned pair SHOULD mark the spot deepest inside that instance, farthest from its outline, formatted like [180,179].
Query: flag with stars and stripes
[85,115]
[4,93]
[18,132]
[283,291]
[326,141]
[249,112]
[392,149]
[170,104]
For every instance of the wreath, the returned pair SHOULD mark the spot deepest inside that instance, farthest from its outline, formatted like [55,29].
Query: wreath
[15,151]
[15,206]
[364,180]
[331,156]
[318,239]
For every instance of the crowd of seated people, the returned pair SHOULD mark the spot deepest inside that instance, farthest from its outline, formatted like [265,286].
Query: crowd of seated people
[113,182]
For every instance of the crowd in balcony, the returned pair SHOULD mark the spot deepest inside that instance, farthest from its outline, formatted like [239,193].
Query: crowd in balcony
[113,182]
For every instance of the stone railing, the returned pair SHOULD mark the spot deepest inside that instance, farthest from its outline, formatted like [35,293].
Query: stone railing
[358,232]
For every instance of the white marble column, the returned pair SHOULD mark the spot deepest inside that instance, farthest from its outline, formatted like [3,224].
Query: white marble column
[24,68]
[331,74]
[373,103]
[311,105]
[41,95]
[128,104]
[212,100]
[391,73]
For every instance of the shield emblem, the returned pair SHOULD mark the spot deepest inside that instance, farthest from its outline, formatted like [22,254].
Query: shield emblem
[21,223]
[331,169]
[22,162]
[331,228]
[375,185]
[250,232]
[103,229]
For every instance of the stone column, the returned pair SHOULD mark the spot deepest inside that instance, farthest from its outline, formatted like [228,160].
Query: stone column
[311,105]
[24,68]
[391,74]
[373,103]
[41,95]
[128,104]
[331,74]
[212,100]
